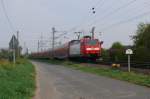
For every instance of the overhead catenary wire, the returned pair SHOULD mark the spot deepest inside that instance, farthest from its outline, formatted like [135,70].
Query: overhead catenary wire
[125,21]
[138,10]
[105,15]
[85,18]
[7,17]
[99,4]
[112,12]
[92,11]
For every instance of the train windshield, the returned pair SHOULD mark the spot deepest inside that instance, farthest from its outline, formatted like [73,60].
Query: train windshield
[92,42]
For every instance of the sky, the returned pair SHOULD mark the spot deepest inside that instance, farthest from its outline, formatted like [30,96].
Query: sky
[115,20]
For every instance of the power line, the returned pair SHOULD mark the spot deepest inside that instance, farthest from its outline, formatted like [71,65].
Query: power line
[85,18]
[125,21]
[7,17]
[138,10]
[99,3]
[113,12]
[93,11]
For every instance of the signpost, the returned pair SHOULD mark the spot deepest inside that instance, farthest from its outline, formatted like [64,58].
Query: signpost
[129,52]
[13,45]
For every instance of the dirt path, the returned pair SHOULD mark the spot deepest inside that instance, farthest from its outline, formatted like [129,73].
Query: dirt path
[58,82]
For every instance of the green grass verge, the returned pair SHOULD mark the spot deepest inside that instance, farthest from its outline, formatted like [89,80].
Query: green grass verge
[132,77]
[17,81]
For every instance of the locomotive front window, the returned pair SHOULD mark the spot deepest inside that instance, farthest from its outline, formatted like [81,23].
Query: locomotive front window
[92,42]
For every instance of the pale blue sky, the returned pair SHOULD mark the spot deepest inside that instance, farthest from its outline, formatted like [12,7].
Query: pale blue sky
[33,17]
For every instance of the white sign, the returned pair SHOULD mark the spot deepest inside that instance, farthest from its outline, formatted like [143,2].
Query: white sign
[129,51]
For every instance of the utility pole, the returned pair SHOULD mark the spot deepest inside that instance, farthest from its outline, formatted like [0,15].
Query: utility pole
[53,40]
[78,34]
[41,42]
[92,31]
[24,48]
[27,51]
[38,46]
[14,54]
[18,52]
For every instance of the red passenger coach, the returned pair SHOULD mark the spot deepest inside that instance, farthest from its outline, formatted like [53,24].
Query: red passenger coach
[61,52]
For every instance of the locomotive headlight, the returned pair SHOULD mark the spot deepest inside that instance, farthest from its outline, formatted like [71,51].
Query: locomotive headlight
[88,49]
[96,48]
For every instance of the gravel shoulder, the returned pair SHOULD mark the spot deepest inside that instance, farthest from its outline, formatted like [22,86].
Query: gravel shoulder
[59,82]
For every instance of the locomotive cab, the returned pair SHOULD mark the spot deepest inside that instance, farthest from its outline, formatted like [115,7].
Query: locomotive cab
[91,48]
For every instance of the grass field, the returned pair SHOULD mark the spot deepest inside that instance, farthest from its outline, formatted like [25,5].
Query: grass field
[17,81]
[132,77]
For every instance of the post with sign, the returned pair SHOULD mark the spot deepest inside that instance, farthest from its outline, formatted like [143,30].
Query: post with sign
[129,65]
[129,52]
[13,45]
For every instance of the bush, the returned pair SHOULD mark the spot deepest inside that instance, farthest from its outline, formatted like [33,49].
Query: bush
[142,54]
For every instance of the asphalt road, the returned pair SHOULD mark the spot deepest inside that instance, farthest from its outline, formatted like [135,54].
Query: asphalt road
[58,82]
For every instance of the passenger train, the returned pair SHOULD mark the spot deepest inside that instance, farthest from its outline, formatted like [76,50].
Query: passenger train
[86,48]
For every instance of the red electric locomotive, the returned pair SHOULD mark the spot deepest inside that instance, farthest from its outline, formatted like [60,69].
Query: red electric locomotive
[87,47]
[91,47]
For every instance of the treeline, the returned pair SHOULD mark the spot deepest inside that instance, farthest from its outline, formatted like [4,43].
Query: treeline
[140,47]
[4,54]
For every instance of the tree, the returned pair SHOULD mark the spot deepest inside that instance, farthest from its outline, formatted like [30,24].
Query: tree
[117,52]
[117,45]
[105,55]
[142,37]
[4,54]
[142,42]
[141,54]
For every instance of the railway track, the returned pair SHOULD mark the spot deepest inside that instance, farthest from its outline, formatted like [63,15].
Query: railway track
[143,68]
